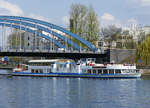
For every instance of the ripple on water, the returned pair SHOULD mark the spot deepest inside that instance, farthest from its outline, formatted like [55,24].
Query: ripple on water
[37,92]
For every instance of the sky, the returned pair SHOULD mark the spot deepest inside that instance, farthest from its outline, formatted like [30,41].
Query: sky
[118,12]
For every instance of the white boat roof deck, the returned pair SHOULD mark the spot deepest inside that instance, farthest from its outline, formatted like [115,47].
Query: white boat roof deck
[48,61]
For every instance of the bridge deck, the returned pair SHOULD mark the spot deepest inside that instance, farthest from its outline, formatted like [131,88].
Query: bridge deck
[46,53]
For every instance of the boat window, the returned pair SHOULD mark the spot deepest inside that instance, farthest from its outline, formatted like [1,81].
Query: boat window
[105,71]
[49,70]
[70,67]
[99,71]
[36,71]
[32,70]
[118,71]
[111,71]
[26,67]
[57,68]
[132,71]
[94,71]
[84,70]
[137,71]
[125,71]
[41,71]
[89,70]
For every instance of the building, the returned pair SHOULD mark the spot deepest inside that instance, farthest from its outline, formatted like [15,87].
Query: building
[31,41]
[147,30]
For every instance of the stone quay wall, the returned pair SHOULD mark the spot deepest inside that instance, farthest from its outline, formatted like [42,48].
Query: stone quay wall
[117,55]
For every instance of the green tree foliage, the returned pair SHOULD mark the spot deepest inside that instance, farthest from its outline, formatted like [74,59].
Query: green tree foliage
[141,37]
[129,44]
[84,22]
[92,26]
[143,52]
[77,19]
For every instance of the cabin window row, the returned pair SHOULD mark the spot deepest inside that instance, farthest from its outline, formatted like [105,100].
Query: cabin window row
[40,71]
[36,70]
[103,71]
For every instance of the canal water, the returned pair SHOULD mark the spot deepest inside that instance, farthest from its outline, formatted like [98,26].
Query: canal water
[44,92]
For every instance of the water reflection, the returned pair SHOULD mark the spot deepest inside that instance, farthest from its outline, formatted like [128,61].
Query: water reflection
[37,92]
[145,77]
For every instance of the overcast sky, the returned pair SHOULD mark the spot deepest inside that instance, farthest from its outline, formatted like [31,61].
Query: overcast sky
[119,12]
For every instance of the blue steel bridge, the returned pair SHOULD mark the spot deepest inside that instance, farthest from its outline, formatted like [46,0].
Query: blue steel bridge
[22,36]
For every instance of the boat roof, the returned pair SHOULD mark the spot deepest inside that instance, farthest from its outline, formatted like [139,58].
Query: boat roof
[48,61]
[42,61]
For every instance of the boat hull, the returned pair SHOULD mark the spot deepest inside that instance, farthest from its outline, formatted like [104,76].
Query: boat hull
[77,75]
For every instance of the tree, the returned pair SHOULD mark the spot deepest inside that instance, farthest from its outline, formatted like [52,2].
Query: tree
[142,36]
[77,19]
[143,51]
[84,22]
[111,33]
[92,26]
[129,42]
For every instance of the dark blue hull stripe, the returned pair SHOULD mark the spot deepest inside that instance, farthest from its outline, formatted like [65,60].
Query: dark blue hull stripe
[84,75]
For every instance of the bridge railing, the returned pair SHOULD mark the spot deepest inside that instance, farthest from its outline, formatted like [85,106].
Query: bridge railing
[101,51]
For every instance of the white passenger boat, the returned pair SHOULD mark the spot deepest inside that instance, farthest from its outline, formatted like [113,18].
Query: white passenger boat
[86,68]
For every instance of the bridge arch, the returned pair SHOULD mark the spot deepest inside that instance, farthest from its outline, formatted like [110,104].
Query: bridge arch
[47,24]
[42,29]
[32,31]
